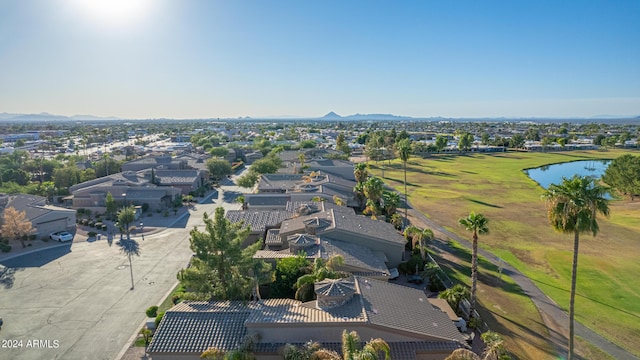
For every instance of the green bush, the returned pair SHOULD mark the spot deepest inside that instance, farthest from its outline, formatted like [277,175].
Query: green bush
[5,248]
[92,233]
[152,311]
[145,207]
[159,318]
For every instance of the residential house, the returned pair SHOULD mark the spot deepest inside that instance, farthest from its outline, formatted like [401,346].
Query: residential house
[135,188]
[45,218]
[402,316]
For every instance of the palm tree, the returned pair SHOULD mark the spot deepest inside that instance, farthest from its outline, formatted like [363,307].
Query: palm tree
[126,216]
[360,172]
[455,295]
[572,208]
[391,201]
[404,151]
[306,352]
[476,223]
[462,354]
[493,346]
[421,237]
[373,188]
[320,270]
[359,190]
[352,350]
[128,246]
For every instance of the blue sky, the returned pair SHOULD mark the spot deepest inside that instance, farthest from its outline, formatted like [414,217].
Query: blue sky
[202,59]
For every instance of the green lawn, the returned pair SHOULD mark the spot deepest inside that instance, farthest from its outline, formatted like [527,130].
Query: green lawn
[449,187]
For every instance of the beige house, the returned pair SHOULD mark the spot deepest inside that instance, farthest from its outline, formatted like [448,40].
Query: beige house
[402,316]
[45,218]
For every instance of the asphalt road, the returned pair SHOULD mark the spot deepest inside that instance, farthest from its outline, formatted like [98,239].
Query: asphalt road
[75,302]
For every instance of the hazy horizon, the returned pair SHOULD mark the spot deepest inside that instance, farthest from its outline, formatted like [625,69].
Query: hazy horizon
[197,59]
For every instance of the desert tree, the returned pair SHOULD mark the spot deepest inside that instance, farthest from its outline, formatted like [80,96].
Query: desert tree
[15,225]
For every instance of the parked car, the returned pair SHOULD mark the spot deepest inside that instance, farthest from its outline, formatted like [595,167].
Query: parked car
[61,236]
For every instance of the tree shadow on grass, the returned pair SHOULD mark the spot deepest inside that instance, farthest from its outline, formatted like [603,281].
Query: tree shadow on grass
[484,203]
[588,298]
[496,321]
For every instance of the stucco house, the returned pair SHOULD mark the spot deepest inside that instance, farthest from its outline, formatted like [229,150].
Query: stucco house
[45,218]
[135,187]
[402,316]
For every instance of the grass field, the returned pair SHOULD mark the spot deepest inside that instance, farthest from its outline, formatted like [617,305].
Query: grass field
[445,188]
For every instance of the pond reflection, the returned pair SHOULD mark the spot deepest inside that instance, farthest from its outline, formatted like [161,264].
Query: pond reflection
[553,174]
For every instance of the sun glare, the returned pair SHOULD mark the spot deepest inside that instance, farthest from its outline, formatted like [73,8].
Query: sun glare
[113,12]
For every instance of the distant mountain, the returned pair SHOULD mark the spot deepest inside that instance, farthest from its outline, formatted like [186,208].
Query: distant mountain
[92,117]
[332,115]
[44,116]
[40,117]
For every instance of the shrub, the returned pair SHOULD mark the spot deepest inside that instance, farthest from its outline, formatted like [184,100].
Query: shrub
[165,213]
[159,318]
[145,207]
[152,311]
[98,225]
[175,299]
[92,234]
[5,248]
[91,223]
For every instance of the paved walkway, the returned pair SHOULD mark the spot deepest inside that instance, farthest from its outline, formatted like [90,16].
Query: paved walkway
[555,319]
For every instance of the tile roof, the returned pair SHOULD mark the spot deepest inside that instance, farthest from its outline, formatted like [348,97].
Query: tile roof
[168,177]
[34,206]
[413,314]
[195,326]
[287,311]
[363,225]
[324,206]
[279,200]
[273,237]
[258,220]
[355,255]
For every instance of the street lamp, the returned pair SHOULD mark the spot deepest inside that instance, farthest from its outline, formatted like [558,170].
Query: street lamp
[124,195]
[142,230]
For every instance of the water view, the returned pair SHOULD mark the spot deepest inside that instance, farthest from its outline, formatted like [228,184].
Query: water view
[553,174]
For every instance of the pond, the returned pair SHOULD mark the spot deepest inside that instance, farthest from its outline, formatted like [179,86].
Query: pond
[552,174]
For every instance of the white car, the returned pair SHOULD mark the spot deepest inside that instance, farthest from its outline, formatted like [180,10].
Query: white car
[61,236]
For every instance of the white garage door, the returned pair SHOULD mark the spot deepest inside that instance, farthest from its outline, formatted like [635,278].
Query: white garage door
[46,228]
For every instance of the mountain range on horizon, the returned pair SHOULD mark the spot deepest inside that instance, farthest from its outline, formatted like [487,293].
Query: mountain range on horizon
[331,116]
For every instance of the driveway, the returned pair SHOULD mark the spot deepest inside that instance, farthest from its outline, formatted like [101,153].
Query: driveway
[75,302]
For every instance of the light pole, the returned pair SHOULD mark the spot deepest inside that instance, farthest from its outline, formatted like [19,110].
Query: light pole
[142,230]
[124,195]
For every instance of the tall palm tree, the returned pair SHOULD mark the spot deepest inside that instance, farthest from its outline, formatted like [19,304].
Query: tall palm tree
[572,208]
[404,151]
[360,172]
[476,223]
[421,237]
[128,246]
